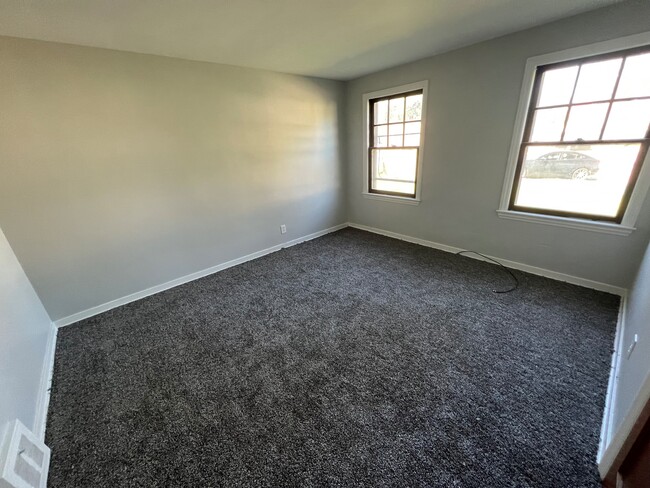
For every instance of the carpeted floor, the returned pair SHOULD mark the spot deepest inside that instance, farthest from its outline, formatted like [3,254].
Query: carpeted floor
[350,360]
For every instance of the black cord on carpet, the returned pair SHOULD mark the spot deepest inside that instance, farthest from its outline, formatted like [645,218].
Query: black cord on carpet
[513,288]
[263,375]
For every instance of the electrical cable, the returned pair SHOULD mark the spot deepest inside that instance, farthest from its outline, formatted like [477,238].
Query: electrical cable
[513,288]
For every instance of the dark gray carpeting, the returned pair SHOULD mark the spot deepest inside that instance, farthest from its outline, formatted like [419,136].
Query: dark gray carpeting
[350,360]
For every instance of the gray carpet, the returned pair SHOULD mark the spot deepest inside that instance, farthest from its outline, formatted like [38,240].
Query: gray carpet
[350,360]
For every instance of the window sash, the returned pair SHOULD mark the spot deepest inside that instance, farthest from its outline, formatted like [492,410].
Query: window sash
[372,126]
[530,115]
[386,192]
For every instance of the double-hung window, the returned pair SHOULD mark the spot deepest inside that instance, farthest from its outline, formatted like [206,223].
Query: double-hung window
[394,141]
[584,137]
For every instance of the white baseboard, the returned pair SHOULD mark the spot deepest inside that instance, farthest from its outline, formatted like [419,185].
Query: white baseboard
[84,314]
[607,428]
[618,438]
[608,442]
[43,401]
[596,285]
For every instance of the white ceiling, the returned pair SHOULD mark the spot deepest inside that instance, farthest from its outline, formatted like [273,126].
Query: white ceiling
[340,39]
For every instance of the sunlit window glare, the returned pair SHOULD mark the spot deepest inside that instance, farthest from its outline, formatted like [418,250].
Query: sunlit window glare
[395,135]
[587,135]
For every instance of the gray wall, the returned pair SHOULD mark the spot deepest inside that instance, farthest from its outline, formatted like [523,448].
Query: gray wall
[24,329]
[473,98]
[633,371]
[123,171]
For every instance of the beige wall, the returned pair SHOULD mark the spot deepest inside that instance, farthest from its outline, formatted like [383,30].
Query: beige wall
[123,171]
[634,369]
[24,331]
[472,103]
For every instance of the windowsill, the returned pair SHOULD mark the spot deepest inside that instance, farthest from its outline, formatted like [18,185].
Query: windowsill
[392,198]
[593,226]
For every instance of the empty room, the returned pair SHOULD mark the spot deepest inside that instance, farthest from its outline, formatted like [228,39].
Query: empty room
[324,243]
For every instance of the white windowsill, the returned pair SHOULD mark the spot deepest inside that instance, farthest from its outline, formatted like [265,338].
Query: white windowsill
[392,198]
[593,226]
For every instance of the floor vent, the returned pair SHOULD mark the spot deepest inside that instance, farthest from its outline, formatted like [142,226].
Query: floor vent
[24,459]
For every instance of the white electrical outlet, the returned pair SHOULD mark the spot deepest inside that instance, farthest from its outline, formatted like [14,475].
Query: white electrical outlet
[283,229]
[631,348]
[24,459]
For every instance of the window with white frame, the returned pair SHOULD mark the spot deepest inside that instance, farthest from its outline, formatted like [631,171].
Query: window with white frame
[394,140]
[584,137]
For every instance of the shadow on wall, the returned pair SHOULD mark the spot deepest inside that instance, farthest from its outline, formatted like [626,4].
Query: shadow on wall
[125,171]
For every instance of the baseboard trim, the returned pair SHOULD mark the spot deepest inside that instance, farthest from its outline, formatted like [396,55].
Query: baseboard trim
[607,428]
[84,314]
[619,444]
[575,280]
[43,400]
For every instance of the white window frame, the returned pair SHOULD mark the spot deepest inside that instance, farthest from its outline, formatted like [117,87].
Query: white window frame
[420,85]
[626,227]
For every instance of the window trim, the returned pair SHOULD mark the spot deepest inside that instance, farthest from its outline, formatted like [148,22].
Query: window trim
[388,92]
[638,195]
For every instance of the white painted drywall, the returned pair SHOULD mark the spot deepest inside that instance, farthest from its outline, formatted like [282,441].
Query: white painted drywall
[24,329]
[124,171]
[473,97]
[633,370]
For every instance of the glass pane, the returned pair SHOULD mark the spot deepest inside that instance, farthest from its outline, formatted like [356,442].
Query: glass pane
[548,124]
[395,131]
[381,131]
[586,179]
[394,170]
[381,112]
[396,110]
[395,141]
[412,140]
[414,107]
[596,80]
[635,80]
[585,122]
[412,128]
[557,86]
[628,120]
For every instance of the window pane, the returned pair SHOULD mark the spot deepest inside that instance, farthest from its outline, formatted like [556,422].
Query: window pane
[596,80]
[381,112]
[585,122]
[586,179]
[396,110]
[628,120]
[635,80]
[412,140]
[395,132]
[414,107]
[412,128]
[395,141]
[557,86]
[548,124]
[381,139]
[394,170]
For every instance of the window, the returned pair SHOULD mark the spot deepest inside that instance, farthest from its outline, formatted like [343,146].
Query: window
[583,138]
[395,120]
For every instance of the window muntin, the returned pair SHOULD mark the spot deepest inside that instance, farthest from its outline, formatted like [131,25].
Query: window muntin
[595,111]
[395,125]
